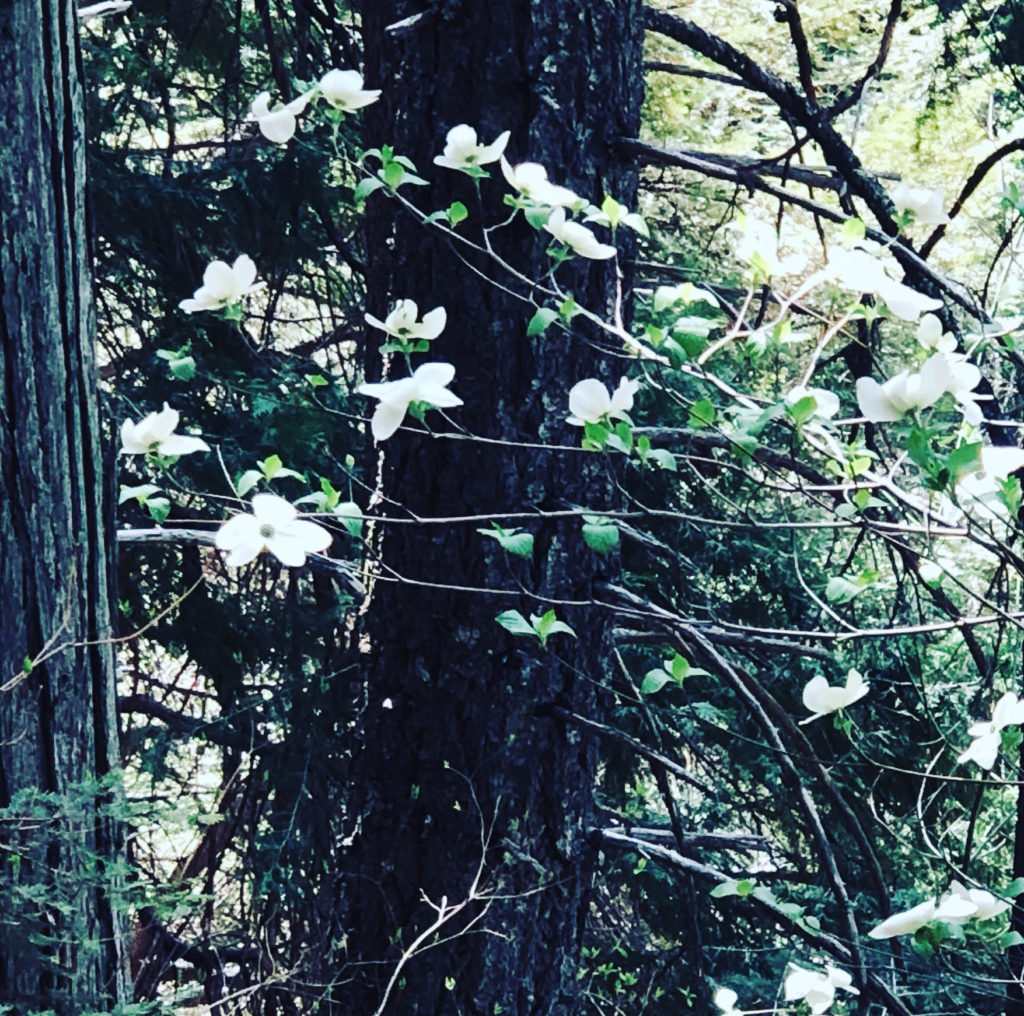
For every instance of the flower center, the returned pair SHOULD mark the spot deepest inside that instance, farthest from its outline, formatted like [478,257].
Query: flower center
[266,531]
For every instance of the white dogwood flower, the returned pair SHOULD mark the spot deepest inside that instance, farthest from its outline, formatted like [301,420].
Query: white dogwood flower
[997,463]
[344,90]
[988,904]
[861,272]
[155,434]
[577,237]
[964,377]
[931,336]
[826,403]
[589,401]
[822,698]
[530,179]
[463,151]
[951,908]
[924,203]
[278,124]
[223,285]
[273,525]
[816,987]
[402,323]
[984,749]
[888,402]
[428,383]
[759,243]
[726,999]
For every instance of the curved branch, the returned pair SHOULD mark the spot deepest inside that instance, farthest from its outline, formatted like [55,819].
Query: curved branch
[973,182]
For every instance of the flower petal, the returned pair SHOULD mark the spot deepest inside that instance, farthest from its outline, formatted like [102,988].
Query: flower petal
[387,418]
[271,510]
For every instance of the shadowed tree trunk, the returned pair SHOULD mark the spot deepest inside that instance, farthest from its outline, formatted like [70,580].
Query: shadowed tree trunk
[60,947]
[461,765]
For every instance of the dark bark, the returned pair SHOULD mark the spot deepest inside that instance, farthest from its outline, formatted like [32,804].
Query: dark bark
[458,735]
[59,948]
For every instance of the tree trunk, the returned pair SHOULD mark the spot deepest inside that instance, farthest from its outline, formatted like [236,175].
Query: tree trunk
[461,767]
[59,942]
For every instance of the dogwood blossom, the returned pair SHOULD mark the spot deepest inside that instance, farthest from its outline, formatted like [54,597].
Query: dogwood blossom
[822,698]
[577,237]
[760,242]
[998,462]
[861,272]
[278,124]
[964,377]
[984,749]
[826,402]
[428,383]
[726,999]
[940,373]
[951,908]
[155,434]
[344,90]
[530,179]
[273,525]
[463,151]
[815,987]
[402,323]
[924,203]
[931,336]
[589,401]
[223,285]
[989,905]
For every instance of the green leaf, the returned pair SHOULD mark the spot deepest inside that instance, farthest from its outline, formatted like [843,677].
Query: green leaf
[637,223]
[159,508]
[457,212]
[547,624]
[1010,495]
[841,590]
[184,368]
[366,187]
[568,309]
[803,409]
[316,380]
[595,435]
[511,540]
[599,534]
[350,513]
[540,321]
[1009,939]
[702,414]
[141,493]
[249,479]
[663,459]
[394,174]
[271,466]
[537,217]
[1014,889]
[852,231]
[745,886]
[964,460]
[331,496]
[514,622]
[680,668]
[654,681]
[724,889]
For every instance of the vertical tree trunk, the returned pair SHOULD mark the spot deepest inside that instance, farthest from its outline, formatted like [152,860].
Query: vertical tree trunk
[59,947]
[460,766]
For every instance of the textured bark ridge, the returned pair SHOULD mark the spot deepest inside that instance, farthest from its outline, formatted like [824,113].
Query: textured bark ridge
[458,746]
[58,947]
